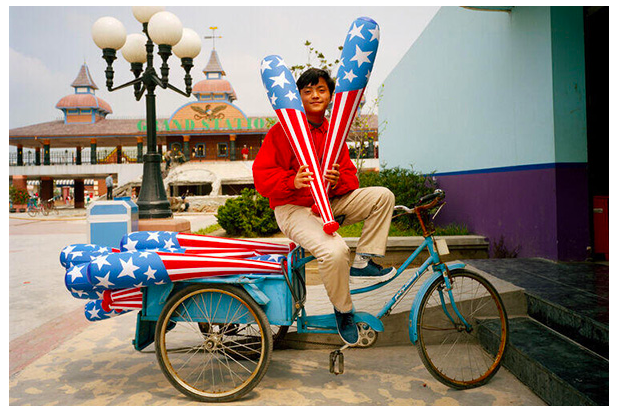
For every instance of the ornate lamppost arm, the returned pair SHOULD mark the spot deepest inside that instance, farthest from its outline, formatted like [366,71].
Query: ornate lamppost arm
[164,29]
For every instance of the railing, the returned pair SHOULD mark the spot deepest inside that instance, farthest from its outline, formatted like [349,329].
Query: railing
[108,156]
[104,156]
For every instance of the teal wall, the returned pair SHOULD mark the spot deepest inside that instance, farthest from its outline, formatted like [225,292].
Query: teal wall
[488,90]
[495,104]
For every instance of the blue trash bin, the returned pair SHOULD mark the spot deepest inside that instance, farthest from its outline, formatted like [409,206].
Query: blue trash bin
[110,220]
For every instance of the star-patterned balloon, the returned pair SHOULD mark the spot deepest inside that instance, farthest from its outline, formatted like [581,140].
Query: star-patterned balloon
[94,311]
[196,244]
[357,59]
[144,268]
[284,97]
[81,253]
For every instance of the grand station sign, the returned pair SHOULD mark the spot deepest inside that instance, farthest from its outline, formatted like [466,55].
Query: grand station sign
[213,116]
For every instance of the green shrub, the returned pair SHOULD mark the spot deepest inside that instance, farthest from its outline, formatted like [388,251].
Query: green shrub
[18,196]
[407,186]
[248,215]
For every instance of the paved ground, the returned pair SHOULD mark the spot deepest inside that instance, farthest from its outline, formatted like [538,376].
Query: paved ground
[58,358]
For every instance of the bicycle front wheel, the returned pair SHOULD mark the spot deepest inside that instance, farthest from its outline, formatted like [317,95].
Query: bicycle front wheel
[32,211]
[213,343]
[460,354]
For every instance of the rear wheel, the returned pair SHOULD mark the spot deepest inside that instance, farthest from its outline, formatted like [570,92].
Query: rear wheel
[221,344]
[459,355]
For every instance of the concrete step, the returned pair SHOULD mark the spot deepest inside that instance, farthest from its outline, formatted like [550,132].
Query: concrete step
[557,369]
[571,298]
[584,330]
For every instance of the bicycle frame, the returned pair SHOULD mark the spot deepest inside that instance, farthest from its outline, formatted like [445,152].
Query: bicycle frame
[326,323]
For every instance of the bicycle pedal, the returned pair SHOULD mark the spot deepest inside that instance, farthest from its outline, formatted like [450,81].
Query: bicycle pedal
[336,362]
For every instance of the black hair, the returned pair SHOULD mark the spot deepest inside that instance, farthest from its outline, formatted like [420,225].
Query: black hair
[312,76]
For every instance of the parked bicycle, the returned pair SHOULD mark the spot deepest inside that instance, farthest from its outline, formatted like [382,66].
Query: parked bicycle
[214,337]
[35,206]
[50,205]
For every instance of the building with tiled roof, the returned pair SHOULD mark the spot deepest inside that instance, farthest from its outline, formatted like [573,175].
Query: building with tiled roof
[210,127]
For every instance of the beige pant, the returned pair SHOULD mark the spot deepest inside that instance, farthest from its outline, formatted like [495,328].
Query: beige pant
[374,205]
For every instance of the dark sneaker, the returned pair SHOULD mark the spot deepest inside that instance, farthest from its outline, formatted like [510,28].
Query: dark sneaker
[347,327]
[371,273]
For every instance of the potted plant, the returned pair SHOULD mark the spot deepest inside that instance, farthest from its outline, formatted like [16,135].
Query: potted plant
[19,198]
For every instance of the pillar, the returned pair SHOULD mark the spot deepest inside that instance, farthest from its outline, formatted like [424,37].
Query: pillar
[232,147]
[78,193]
[20,155]
[160,149]
[140,149]
[119,154]
[46,154]
[93,153]
[47,188]
[20,182]
[37,156]
[185,147]
[78,155]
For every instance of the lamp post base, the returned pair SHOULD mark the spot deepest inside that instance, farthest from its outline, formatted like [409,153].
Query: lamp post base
[166,225]
[152,201]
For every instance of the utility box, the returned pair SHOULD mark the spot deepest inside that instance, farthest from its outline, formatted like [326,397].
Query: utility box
[600,218]
[110,220]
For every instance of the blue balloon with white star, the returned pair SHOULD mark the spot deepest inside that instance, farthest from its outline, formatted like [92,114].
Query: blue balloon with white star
[358,55]
[81,253]
[149,240]
[121,270]
[280,84]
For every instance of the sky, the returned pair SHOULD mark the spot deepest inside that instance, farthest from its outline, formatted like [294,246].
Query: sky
[48,45]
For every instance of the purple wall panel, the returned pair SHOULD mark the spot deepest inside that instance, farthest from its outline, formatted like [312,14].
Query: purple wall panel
[528,207]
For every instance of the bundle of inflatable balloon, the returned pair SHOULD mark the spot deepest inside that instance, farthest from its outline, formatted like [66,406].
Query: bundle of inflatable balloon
[111,279]
[357,58]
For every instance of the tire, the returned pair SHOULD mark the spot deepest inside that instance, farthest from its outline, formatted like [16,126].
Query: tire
[457,357]
[32,211]
[218,350]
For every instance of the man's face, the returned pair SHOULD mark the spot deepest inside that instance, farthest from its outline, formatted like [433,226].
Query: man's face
[315,98]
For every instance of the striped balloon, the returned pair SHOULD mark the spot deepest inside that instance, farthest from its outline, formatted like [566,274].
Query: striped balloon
[144,268]
[357,59]
[284,97]
[202,244]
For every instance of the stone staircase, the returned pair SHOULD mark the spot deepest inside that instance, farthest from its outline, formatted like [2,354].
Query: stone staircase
[560,349]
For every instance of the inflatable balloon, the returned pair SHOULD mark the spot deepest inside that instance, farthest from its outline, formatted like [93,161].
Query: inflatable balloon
[202,244]
[285,100]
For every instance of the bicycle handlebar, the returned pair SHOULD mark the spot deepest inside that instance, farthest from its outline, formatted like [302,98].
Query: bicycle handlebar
[425,202]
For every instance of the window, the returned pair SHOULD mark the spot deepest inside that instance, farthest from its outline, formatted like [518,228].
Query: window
[176,147]
[222,149]
[200,150]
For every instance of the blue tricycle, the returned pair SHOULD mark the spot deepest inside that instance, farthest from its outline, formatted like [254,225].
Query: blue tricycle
[214,337]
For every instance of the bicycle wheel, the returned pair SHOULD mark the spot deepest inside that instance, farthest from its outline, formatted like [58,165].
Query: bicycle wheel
[458,356]
[53,208]
[32,211]
[221,344]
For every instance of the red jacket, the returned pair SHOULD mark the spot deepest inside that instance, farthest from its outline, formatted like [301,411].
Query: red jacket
[275,168]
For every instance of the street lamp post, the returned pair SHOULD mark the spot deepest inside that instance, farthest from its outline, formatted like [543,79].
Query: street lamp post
[164,29]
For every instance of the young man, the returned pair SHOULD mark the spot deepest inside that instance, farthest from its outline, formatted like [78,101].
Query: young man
[279,177]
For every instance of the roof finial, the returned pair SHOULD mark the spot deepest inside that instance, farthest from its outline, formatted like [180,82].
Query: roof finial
[213,37]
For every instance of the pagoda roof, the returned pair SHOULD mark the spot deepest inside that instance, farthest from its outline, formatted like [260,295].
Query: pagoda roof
[84,79]
[214,64]
[83,101]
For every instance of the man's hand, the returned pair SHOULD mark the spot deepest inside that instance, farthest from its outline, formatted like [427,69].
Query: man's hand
[303,177]
[332,175]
